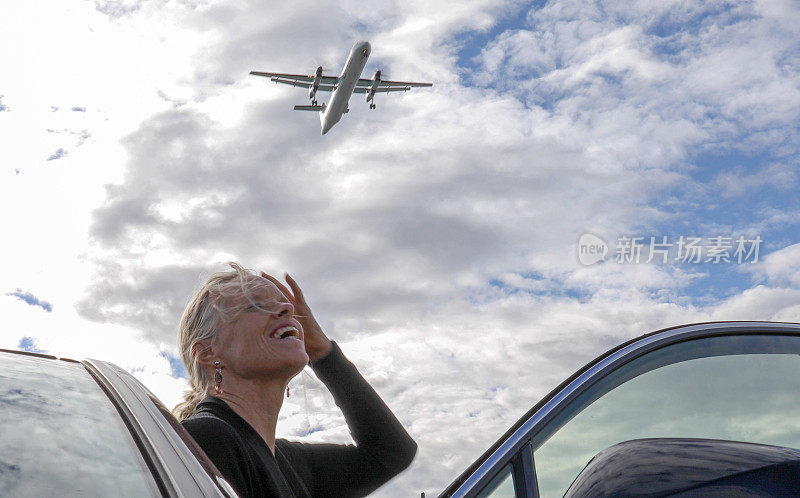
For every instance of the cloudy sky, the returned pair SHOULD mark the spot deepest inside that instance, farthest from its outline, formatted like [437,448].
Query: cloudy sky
[436,237]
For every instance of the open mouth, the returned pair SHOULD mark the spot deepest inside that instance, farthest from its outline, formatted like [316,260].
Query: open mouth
[285,332]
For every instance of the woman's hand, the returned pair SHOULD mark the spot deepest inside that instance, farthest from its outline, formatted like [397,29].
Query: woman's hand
[316,342]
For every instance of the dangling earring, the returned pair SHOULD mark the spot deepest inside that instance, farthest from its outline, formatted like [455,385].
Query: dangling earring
[287,391]
[218,378]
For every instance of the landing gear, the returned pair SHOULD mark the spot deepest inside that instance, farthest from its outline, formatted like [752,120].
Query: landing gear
[372,106]
[314,102]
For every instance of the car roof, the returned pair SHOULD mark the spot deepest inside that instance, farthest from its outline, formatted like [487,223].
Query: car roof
[23,354]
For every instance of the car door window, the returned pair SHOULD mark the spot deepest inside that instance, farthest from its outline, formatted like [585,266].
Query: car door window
[61,436]
[739,388]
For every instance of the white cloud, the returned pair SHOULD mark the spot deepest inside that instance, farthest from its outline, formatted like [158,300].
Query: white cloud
[668,77]
[739,182]
[780,268]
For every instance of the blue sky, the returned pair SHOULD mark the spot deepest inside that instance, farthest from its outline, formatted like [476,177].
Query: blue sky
[30,299]
[436,235]
[727,186]
[29,344]
[176,365]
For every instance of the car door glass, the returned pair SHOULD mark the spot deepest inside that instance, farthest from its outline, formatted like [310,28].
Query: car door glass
[501,486]
[61,436]
[738,388]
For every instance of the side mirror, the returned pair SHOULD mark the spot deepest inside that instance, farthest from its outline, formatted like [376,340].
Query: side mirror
[700,466]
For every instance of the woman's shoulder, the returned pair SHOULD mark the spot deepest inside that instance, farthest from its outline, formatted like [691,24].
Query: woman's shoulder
[208,422]
[211,432]
[219,438]
[225,446]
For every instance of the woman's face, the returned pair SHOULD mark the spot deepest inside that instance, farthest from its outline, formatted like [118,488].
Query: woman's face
[264,339]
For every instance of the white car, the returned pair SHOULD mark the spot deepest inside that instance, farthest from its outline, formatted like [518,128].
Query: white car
[70,428]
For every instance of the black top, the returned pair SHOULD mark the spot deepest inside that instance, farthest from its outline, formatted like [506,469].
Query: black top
[382,450]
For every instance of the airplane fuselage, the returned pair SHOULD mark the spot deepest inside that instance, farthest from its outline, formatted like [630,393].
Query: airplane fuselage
[344,89]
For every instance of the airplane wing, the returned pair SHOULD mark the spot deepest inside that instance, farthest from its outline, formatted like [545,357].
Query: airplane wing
[385,89]
[404,85]
[326,84]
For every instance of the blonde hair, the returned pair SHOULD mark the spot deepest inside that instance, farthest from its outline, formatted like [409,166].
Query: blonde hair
[211,306]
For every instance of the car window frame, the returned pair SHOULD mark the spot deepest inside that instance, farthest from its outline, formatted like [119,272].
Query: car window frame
[157,468]
[523,473]
[527,427]
[178,465]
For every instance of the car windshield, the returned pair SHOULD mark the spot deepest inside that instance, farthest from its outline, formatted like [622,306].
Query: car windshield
[61,436]
[738,388]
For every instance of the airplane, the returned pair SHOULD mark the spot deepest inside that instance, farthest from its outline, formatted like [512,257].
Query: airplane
[343,86]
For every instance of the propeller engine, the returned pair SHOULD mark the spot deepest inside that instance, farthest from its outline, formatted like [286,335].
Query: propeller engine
[376,80]
[312,92]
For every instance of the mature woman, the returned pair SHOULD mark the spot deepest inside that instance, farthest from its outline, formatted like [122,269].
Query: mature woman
[243,337]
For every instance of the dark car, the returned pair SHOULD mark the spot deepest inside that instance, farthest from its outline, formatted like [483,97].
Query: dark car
[70,428]
[710,409]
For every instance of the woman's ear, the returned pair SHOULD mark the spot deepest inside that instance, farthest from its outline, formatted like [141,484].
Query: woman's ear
[204,352]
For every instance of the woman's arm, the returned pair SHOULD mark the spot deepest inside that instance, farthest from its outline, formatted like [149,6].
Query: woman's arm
[383,447]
